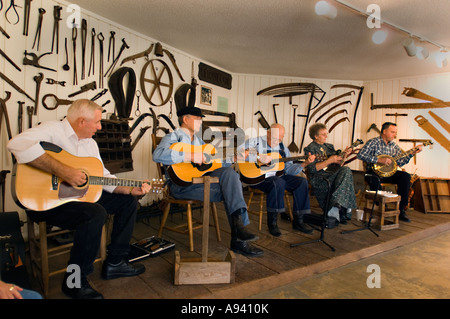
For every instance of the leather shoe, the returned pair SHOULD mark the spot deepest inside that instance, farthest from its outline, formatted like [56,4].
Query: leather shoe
[84,292]
[122,269]
[302,227]
[244,248]
[403,217]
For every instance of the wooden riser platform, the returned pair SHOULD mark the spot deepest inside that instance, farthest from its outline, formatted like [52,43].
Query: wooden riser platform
[279,265]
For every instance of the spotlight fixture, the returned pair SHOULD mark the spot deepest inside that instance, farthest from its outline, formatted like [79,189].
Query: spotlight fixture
[410,46]
[422,53]
[441,59]
[324,9]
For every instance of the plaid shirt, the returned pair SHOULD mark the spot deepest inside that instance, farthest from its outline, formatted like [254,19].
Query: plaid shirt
[376,146]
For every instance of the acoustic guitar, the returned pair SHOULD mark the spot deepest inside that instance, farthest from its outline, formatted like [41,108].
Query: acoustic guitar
[183,173]
[38,190]
[254,173]
[389,170]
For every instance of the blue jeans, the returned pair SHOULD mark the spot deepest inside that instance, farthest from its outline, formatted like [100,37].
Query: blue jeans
[87,219]
[275,186]
[228,190]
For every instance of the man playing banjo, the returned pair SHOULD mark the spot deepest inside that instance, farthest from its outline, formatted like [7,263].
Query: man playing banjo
[379,154]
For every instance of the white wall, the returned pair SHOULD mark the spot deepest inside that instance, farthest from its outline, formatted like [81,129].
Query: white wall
[242,98]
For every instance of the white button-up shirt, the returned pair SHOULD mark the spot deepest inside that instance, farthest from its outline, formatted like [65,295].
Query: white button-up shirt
[26,147]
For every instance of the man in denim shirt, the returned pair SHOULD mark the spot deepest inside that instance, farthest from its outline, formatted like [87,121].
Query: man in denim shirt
[274,186]
[228,190]
[385,145]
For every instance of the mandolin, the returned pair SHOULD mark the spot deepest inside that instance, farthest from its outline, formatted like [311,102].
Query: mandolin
[389,170]
[38,190]
[332,168]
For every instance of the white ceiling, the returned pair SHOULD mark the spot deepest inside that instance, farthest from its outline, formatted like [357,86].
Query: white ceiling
[286,37]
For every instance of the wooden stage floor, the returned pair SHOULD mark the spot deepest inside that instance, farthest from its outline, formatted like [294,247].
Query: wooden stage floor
[280,264]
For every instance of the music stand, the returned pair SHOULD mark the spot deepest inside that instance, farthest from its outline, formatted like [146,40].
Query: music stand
[368,225]
[324,223]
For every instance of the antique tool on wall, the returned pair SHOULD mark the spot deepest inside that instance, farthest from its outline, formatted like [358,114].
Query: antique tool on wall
[99,95]
[51,101]
[15,86]
[434,132]
[422,96]
[38,79]
[293,147]
[337,123]
[92,60]
[56,19]
[20,116]
[4,113]
[83,47]
[30,111]
[37,37]
[34,61]
[162,90]
[159,52]
[275,112]
[334,114]
[294,89]
[100,38]
[329,102]
[396,115]
[12,6]
[262,120]
[441,121]
[112,44]
[51,81]
[85,88]
[133,58]
[26,16]
[331,109]
[3,54]
[412,106]
[74,47]
[3,31]
[122,48]
[66,66]
[123,100]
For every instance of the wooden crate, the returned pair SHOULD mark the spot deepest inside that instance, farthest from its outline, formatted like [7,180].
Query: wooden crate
[432,195]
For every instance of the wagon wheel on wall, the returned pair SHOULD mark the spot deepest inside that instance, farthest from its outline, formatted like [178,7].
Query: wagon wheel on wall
[156,82]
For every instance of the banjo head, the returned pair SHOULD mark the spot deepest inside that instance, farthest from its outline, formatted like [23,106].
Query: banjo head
[385,170]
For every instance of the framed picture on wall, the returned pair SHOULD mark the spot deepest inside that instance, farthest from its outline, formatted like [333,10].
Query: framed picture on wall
[205,95]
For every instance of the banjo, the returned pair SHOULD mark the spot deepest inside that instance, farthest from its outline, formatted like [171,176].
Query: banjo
[389,170]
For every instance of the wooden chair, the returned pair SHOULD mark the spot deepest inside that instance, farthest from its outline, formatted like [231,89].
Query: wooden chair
[40,252]
[168,200]
[262,197]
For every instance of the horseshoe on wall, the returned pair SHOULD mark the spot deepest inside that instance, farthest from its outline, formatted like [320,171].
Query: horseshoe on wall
[159,83]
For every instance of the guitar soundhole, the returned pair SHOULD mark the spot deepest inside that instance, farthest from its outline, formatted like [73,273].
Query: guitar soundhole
[202,167]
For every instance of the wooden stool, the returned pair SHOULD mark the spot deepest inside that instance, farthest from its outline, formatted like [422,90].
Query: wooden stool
[387,209]
[261,204]
[38,245]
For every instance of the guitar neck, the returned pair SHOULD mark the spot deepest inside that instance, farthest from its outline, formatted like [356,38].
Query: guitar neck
[287,159]
[109,181]
[401,155]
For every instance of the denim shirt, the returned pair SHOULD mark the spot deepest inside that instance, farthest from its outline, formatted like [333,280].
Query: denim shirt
[166,156]
[260,145]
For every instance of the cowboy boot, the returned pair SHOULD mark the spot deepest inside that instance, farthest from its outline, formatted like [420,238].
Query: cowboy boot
[298,223]
[272,224]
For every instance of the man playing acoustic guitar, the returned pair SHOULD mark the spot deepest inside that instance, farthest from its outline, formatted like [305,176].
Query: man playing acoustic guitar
[74,135]
[274,184]
[229,188]
[371,154]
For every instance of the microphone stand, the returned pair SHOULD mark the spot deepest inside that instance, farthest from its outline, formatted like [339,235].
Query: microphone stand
[368,225]
[324,223]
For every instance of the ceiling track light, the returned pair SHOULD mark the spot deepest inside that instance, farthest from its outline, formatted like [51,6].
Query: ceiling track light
[410,46]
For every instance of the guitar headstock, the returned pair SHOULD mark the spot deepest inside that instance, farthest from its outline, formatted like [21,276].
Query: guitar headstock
[157,185]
